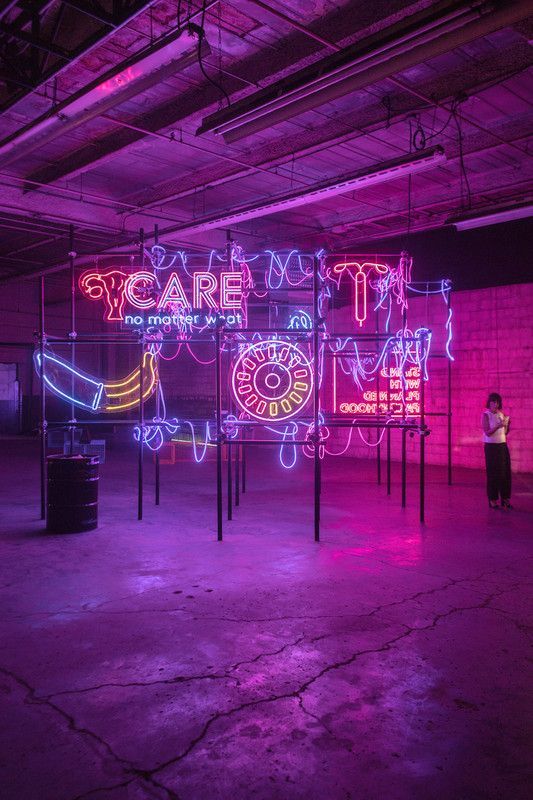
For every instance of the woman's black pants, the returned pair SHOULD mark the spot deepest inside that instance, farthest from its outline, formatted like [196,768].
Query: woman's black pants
[498,463]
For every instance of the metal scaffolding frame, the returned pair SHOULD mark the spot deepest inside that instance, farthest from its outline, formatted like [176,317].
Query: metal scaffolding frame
[237,447]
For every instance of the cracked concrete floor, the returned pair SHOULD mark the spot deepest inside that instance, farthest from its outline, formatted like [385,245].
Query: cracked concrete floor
[146,660]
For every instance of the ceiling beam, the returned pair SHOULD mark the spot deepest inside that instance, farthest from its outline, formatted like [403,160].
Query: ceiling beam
[340,130]
[127,13]
[254,69]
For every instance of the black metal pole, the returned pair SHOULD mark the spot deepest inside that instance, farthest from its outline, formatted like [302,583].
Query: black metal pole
[422,438]
[404,432]
[237,474]
[449,402]
[404,468]
[42,404]
[158,408]
[378,401]
[141,409]
[72,331]
[243,461]
[316,401]
[229,452]
[388,370]
[219,432]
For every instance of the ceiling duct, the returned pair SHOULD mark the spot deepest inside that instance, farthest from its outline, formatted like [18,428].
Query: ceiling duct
[133,76]
[386,171]
[429,33]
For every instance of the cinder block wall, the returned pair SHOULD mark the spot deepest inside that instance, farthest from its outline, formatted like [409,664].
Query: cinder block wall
[492,347]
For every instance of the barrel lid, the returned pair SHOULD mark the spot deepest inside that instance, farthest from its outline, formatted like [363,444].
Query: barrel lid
[76,458]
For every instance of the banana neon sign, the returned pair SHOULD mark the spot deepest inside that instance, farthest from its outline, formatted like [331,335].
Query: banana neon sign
[85,391]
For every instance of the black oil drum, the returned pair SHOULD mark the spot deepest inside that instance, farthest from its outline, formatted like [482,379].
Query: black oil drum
[72,500]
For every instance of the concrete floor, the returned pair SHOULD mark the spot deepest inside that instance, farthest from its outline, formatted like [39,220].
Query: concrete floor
[146,660]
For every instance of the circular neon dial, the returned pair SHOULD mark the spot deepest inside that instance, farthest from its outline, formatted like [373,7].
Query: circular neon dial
[272,380]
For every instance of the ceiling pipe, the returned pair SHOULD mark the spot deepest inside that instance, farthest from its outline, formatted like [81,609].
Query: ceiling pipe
[371,60]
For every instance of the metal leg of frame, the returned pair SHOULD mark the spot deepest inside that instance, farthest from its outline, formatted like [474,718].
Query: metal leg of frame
[72,333]
[316,400]
[141,436]
[158,403]
[243,463]
[229,454]
[422,443]
[388,462]
[237,474]
[449,423]
[157,477]
[317,492]
[404,468]
[219,433]
[42,404]
[422,476]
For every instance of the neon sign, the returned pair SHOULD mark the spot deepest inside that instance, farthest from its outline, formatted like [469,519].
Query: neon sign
[87,392]
[358,272]
[400,396]
[142,291]
[272,380]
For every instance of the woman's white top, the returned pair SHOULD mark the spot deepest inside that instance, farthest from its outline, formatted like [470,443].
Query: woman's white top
[499,436]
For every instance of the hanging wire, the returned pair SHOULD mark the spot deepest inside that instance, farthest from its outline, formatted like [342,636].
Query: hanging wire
[464,176]
[218,86]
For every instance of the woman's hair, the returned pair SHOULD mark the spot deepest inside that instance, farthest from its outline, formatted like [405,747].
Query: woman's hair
[494,397]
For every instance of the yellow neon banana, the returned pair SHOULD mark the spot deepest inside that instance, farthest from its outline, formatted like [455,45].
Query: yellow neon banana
[124,394]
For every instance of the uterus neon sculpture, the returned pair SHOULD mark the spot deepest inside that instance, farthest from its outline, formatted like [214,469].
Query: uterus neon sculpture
[358,272]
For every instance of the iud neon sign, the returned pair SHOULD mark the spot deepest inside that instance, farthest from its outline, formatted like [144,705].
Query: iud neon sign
[142,291]
[358,272]
[272,380]
[400,396]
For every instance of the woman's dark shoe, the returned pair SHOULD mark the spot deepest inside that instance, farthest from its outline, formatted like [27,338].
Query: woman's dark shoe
[493,504]
[506,504]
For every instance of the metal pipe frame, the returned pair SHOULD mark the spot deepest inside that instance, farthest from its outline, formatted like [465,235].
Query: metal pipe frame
[237,447]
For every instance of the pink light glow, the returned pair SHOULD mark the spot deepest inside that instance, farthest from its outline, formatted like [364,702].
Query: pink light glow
[139,289]
[358,272]
[108,285]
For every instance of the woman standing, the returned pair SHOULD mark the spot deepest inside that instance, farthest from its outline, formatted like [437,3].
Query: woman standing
[497,459]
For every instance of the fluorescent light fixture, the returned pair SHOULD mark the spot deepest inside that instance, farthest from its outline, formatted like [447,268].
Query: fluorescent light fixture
[138,73]
[466,223]
[436,30]
[386,171]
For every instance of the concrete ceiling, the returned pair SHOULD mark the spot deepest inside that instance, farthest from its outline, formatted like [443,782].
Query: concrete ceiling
[142,163]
